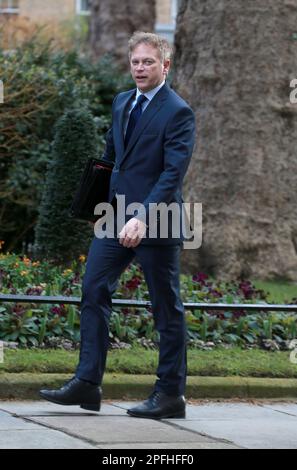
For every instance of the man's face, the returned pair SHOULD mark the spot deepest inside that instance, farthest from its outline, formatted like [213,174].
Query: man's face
[147,69]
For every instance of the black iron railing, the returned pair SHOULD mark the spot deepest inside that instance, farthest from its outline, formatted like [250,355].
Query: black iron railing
[124,303]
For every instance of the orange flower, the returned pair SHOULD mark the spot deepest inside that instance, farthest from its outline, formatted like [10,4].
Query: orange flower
[24,273]
[82,258]
[67,271]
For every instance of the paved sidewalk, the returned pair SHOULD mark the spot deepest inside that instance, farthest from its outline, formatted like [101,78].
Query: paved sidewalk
[33,425]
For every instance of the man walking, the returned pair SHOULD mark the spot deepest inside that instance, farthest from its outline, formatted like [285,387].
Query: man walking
[151,142]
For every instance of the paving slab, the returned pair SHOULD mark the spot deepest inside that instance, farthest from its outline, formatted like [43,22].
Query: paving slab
[40,439]
[208,425]
[9,423]
[249,426]
[171,445]
[228,411]
[289,408]
[16,433]
[43,408]
[112,428]
[122,430]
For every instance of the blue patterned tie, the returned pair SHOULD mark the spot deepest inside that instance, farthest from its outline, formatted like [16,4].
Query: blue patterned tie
[134,117]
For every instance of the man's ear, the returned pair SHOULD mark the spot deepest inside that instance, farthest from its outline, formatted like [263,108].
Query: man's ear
[167,64]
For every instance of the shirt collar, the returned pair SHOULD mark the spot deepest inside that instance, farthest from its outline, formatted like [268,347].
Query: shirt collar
[150,94]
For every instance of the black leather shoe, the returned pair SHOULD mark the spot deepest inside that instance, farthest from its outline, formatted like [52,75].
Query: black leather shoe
[160,406]
[75,392]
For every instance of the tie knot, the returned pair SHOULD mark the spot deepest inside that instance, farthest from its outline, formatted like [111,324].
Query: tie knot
[141,99]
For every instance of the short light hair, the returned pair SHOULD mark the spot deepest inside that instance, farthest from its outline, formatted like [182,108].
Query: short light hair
[161,44]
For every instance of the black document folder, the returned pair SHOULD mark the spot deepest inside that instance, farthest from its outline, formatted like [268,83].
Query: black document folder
[93,188]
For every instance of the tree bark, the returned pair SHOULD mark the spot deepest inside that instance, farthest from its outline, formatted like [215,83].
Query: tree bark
[113,22]
[234,63]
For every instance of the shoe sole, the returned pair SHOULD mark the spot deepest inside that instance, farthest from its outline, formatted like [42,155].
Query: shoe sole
[84,406]
[90,407]
[180,415]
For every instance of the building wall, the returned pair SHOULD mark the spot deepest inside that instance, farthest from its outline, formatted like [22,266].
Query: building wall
[54,9]
[164,11]
[38,10]
[53,12]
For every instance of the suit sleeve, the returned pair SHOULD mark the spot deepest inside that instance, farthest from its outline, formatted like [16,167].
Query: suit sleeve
[178,148]
[109,150]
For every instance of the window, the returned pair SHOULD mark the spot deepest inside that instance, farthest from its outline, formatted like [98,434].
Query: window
[83,7]
[174,10]
[9,6]
[167,30]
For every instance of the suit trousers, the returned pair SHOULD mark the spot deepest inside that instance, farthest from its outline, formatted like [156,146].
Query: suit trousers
[106,261]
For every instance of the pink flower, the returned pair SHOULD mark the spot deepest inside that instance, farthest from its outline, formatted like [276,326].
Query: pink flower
[247,289]
[60,310]
[200,277]
[34,290]
[133,283]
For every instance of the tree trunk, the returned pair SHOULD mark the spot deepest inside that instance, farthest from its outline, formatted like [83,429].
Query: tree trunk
[113,22]
[234,63]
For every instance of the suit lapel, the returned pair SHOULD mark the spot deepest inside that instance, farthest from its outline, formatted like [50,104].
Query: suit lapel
[121,115]
[154,106]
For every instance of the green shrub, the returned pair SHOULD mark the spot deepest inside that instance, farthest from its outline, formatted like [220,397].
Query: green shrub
[40,84]
[58,236]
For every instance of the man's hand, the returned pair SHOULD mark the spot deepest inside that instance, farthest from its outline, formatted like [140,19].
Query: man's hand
[132,233]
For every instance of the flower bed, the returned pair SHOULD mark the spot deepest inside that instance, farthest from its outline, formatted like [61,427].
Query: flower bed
[57,326]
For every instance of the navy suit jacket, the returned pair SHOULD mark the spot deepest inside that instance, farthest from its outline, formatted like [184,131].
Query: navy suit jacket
[152,167]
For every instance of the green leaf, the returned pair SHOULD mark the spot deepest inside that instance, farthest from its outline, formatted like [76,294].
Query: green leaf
[249,338]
